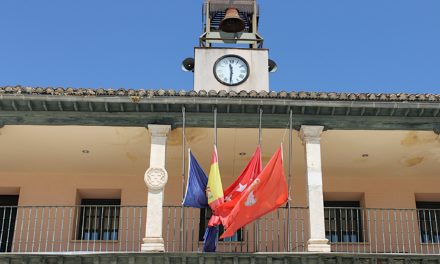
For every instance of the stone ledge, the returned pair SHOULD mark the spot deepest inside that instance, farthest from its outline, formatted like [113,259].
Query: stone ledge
[217,258]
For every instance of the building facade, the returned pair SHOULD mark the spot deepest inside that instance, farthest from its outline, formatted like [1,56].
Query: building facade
[100,171]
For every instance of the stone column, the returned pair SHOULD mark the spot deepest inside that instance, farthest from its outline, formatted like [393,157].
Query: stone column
[155,178]
[311,137]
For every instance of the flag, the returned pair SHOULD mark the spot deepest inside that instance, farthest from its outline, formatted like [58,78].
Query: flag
[210,239]
[239,186]
[214,190]
[247,176]
[195,189]
[267,192]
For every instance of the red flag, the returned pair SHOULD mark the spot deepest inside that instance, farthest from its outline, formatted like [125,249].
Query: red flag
[239,186]
[266,193]
[247,176]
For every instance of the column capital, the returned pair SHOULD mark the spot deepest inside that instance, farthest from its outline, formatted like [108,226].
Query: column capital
[311,134]
[159,130]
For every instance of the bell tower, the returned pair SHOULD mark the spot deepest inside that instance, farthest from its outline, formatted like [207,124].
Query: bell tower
[230,55]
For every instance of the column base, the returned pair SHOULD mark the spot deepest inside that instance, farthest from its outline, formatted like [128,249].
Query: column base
[151,244]
[318,245]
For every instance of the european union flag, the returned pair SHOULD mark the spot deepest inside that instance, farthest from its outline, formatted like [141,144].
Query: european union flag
[195,189]
[210,239]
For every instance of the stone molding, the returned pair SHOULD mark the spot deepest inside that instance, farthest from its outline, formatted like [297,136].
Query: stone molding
[311,134]
[156,178]
[159,130]
[243,258]
[318,245]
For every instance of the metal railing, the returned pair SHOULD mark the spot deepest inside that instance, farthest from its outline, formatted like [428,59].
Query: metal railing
[401,231]
[106,228]
[284,230]
[109,228]
[103,228]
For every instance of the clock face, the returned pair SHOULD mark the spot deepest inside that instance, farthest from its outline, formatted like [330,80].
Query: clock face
[231,70]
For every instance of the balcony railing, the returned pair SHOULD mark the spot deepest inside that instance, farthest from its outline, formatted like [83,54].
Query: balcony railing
[108,228]
[104,228]
[402,231]
[38,229]
[284,230]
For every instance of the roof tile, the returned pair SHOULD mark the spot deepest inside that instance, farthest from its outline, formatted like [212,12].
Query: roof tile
[59,91]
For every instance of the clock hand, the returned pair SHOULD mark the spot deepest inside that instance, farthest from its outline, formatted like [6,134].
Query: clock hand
[231,72]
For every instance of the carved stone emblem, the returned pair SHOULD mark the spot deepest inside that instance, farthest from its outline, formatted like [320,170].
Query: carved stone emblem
[156,178]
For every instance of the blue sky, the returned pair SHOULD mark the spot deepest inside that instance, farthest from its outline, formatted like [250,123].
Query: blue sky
[319,45]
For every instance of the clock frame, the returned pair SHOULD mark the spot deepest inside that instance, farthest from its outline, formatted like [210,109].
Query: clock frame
[231,56]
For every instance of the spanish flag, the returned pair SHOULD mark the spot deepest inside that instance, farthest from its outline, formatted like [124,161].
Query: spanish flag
[214,189]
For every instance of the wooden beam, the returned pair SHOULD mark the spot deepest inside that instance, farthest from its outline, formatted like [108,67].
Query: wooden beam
[14,106]
[60,106]
[230,120]
[363,111]
[29,106]
[44,105]
[393,111]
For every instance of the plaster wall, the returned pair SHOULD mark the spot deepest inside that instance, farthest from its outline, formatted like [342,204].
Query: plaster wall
[205,59]
[47,165]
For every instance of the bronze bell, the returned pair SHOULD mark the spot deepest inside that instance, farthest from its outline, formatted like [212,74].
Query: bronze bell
[232,23]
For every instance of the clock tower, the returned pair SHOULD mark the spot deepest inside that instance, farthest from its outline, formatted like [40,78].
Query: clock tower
[231,56]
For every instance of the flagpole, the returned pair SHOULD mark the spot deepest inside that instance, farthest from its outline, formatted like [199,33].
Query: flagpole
[289,246]
[182,211]
[260,139]
[215,126]
[260,131]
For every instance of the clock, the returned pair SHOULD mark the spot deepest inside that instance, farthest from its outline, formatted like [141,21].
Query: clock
[231,70]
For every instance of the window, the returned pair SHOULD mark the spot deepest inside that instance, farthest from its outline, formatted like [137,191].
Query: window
[343,222]
[8,214]
[429,218]
[98,219]
[205,215]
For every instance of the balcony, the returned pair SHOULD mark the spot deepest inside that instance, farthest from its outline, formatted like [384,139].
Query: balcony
[397,231]
[58,229]
[120,229]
